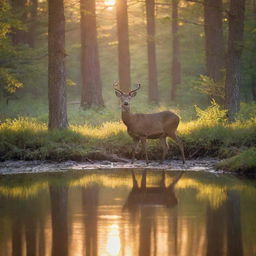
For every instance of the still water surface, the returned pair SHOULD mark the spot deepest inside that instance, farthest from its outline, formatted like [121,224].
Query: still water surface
[127,213]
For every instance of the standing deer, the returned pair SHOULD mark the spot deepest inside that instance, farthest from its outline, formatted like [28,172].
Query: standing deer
[148,126]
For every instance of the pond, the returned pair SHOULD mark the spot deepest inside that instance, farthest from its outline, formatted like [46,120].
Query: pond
[127,212]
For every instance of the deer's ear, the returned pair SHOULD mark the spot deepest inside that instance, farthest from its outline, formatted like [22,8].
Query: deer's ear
[118,94]
[132,94]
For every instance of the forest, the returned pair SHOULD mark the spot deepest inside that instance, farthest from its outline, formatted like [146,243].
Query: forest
[60,59]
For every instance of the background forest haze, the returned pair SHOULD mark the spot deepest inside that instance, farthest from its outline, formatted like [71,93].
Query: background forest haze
[23,53]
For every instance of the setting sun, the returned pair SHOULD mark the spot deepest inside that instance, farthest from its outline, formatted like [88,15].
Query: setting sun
[110,4]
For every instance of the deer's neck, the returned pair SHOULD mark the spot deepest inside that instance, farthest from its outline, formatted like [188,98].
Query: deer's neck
[126,117]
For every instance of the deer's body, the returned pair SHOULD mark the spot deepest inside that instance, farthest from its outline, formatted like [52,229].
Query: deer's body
[149,126]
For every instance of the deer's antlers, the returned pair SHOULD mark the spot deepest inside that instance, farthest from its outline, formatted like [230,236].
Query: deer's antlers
[115,84]
[136,89]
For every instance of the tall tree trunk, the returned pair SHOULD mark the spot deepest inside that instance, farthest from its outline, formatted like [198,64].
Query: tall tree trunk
[90,65]
[123,46]
[152,69]
[176,69]
[19,8]
[233,68]
[214,42]
[56,65]
[253,84]
[32,23]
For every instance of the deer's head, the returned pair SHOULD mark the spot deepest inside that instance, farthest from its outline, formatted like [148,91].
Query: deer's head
[125,97]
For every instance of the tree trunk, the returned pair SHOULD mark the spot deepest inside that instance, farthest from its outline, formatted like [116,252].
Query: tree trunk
[233,65]
[56,66]
[176,69]
[152,69]
[32,23]
[214,42]
[19,8]
[253,84]
[123,46]
[90,65]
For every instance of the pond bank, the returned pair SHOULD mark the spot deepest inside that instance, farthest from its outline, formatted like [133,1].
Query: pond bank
[18,167]
[29,140]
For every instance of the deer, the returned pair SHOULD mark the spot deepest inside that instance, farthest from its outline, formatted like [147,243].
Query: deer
[146,195]
[141,126]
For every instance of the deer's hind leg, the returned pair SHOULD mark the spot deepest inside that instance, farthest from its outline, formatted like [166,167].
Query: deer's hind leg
[165,148]
[178,141]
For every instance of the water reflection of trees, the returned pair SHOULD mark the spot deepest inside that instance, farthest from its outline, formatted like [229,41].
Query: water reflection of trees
[141,203]
[34,214]
[90,200]
[223,228]
[20,221]
[59,211]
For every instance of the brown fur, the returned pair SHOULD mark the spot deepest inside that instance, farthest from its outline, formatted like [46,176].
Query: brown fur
[149,126]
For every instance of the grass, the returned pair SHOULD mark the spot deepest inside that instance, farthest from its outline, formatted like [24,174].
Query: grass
[28,138]
[243,162]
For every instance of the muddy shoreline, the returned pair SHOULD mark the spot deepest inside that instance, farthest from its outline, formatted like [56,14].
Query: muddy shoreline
[19,167]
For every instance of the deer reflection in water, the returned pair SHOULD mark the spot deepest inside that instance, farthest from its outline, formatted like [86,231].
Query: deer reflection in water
[144,195]
[143,199]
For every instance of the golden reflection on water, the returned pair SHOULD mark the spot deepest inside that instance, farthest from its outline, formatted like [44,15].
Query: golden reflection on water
[113,243]
[133,213]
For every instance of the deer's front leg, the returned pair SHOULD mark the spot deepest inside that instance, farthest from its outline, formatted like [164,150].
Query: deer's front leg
[134,148]
[164,147]
[144,149]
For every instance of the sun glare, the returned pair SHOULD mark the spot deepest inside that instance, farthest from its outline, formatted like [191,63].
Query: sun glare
[110,4]
[113,242]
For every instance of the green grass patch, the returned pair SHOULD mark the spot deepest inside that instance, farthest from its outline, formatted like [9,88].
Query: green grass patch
[210,134]
[244,162]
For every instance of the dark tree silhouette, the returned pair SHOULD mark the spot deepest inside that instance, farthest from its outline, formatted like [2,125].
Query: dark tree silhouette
[214,42]
[59,208]
[176,69]
[90,201]
[26,10]
[215,230]
[90,65]
[19,8]
[123,46]
[253,84]
[234,232]
[56,65]
[32,23]
[152,68]
[233,65]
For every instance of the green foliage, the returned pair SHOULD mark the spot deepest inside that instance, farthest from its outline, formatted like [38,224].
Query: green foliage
[243,162]
[209,135]
[209,87]
[247,111]
[212,114]
[11,84]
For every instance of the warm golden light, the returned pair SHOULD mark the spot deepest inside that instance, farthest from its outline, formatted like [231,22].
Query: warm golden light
[110,4]
[113,241]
